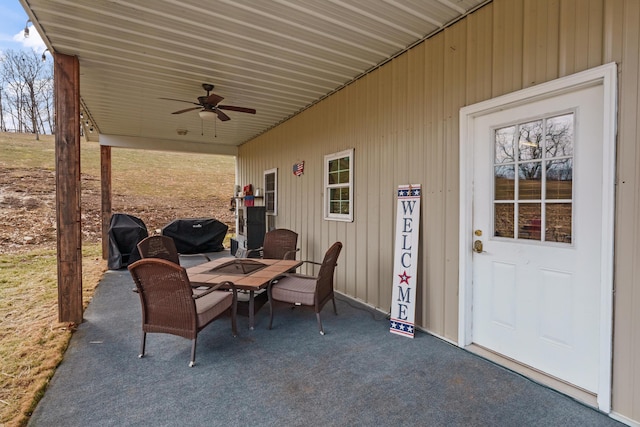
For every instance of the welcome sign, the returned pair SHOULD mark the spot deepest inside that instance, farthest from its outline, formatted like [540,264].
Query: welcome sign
[405,261]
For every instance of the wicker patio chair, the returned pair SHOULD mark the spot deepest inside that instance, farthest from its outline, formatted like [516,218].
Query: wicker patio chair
[278,244]
[163,247]
[170,306]
[305,290]
[159,246]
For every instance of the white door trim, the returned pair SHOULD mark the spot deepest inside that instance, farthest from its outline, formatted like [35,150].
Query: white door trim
[605,75]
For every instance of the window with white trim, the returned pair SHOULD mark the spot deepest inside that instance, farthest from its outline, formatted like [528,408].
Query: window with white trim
[338,186]
[271,197]
[271,191]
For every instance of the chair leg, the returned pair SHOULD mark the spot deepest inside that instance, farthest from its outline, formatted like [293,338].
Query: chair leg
[335,310]
[320,324]
[270,308]
[142,345]
[234,326]
[193,353]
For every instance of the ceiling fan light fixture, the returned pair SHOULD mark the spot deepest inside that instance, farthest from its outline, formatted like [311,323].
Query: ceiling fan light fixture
[207,115]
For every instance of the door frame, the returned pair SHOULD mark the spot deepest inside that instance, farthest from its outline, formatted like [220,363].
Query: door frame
[605,75]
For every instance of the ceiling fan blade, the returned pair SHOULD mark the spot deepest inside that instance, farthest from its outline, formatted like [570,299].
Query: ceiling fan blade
[180,100]
[222,116]
[239,109]
[186,109]
[213,99]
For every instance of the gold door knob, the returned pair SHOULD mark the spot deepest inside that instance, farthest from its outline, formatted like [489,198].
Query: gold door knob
[477,246]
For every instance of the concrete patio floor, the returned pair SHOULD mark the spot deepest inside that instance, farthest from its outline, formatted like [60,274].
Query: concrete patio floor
[358,374]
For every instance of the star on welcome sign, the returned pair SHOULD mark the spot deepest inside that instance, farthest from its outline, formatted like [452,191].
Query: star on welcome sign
[402,327]
[404,277]
[409,192]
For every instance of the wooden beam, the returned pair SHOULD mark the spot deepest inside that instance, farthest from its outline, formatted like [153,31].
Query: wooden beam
[105,185]
[67,148]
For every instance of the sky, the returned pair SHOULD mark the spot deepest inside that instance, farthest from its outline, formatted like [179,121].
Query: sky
[12,21]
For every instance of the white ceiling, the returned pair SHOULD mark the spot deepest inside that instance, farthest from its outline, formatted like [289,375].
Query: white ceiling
[277,56]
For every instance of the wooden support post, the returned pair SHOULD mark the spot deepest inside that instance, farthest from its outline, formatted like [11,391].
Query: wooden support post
[67,147]
[105,185]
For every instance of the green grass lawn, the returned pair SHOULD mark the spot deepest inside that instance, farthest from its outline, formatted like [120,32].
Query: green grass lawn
[32,341]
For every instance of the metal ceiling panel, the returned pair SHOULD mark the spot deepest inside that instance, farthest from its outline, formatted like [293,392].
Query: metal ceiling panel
[277,56]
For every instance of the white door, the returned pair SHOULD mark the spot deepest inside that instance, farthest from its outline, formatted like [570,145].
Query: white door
[537,212]
[536,227]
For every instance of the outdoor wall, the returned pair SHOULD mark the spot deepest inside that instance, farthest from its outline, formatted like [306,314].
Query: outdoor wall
[402,121]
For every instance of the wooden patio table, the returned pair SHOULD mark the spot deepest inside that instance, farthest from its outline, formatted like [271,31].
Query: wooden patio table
[245,273]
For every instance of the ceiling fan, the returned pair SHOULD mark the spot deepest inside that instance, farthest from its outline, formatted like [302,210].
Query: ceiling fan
[208,105]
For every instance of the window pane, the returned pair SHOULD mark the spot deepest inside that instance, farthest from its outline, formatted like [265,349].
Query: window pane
[503,222]
[529,221]
[558,222]
[334,178]
[270,182]
[560,179]
[339,200]
[333,165]
[344,163]
[344,177]
[504,145]
[530,183]
[529,143]
[504,184]
[271,222]
[559,138]
[269,202]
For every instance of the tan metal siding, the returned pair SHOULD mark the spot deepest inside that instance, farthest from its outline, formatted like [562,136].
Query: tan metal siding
[507,47]
[624,34]
[541,41]
[402,121]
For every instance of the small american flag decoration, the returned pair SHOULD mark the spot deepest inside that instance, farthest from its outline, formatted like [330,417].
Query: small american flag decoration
[298,168]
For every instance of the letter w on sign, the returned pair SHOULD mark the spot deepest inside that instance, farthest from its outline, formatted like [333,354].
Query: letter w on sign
[405,261]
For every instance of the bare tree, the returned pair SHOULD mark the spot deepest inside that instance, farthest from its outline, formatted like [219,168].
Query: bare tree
[3,128]
[27,84]
[524,145]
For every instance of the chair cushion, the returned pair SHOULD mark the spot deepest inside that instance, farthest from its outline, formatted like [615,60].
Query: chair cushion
[295,289]
[212,305]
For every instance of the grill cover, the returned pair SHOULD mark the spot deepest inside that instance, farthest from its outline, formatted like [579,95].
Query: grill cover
[125,231]
[196,235]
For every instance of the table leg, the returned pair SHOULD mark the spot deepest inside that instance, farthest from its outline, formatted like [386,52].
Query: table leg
[251,309]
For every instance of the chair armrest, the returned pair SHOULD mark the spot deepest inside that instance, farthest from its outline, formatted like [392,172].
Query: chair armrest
[250,251]
[313,263]
[217,286]
[288,254]
[283,275]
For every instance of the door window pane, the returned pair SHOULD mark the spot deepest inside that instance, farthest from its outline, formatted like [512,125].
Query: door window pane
[559,218]
[560,179]
[505,147]
[530,141]
[504,220]
[537,201]
[530,182]
[559,138]
[529,221]
[504,182]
